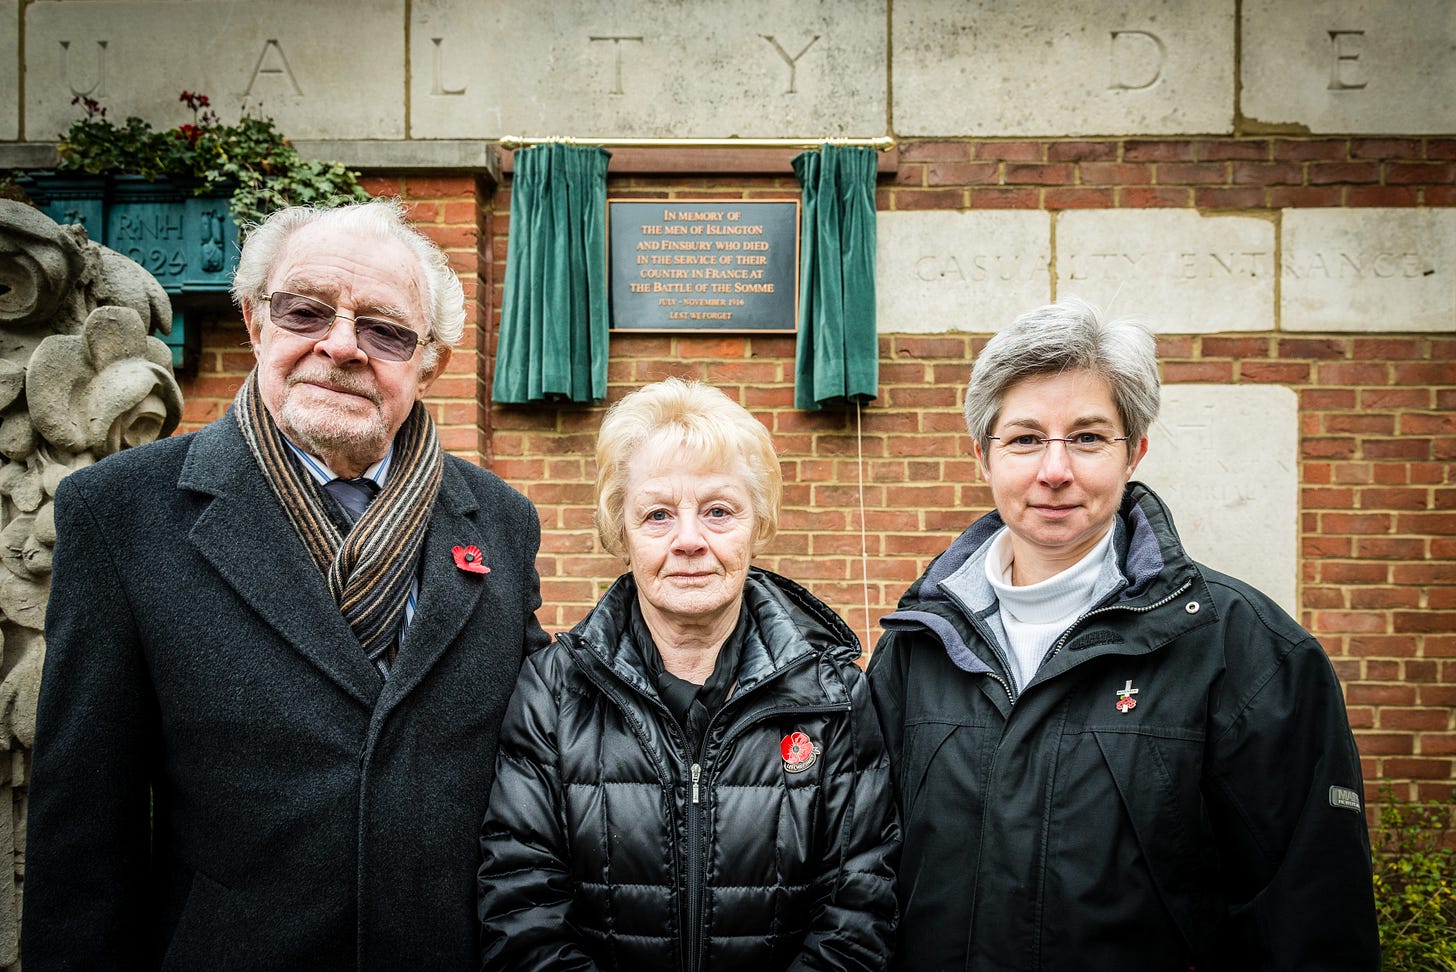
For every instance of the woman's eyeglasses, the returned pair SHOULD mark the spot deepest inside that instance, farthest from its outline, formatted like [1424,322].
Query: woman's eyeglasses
[311,318]
[1085,444]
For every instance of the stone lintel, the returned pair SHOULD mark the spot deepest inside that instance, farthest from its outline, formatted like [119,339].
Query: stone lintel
[1349,66]
[28,155]
[320,70]
[1073,68]
[648,68]
[10,68]
[407,155]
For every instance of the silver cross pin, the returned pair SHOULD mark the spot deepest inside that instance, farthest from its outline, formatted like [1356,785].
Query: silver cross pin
[1125,700]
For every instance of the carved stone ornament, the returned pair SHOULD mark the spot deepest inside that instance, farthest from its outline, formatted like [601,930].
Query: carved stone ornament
[81,377]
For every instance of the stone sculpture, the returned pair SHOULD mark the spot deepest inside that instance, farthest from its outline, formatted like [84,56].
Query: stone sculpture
[80,378]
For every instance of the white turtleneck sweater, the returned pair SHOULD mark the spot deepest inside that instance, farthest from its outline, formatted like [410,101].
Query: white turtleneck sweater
[1035,615]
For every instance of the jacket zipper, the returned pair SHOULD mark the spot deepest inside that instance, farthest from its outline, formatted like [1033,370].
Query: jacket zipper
[695,825]
[990,640]
[1144,609]
[699,780]
[975,888]
[695,872]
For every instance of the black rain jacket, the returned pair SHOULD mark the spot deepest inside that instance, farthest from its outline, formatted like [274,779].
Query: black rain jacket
[1216,824]
[608,845]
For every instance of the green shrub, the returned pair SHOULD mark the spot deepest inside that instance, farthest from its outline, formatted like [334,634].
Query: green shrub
[252,157]
[1415,871]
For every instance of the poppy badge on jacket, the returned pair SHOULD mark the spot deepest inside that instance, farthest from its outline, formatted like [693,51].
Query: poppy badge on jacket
[469,559]
[799,752]
[1125,702]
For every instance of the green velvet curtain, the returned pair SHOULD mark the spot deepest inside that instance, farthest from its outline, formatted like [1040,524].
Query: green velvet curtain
[837,359]
[553,332]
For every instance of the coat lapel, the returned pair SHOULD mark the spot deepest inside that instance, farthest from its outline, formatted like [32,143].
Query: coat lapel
[247,538]
[448,595]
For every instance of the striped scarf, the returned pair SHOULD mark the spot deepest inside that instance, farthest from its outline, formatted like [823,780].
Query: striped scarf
[371,571]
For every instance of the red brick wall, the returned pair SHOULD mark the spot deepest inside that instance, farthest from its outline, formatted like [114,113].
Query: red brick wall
[1378,499]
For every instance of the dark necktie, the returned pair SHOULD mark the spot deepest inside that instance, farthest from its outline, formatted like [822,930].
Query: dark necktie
[353,494]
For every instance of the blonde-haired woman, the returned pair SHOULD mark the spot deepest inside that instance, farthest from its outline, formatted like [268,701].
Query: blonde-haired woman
[692,778]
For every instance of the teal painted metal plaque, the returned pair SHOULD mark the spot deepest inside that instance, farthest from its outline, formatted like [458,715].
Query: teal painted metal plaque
[188,242]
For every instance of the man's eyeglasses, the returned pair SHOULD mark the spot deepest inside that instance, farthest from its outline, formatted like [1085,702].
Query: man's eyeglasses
[311,318]
[1089,445]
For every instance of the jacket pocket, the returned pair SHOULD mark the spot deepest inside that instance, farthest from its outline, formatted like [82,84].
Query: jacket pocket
[923,740]
[1158,781]
[200,938]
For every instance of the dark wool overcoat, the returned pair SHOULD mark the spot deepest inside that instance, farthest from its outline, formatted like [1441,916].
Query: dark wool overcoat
[221,779]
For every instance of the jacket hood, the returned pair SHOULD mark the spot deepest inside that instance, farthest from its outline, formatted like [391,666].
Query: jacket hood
[788,623]
[1149,554]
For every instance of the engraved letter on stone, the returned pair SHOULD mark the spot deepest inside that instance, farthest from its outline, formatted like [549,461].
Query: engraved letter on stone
[1343,67]
[439,88]
[1137,60]
[791,60]
[98,87]
[617,41]
[278,65]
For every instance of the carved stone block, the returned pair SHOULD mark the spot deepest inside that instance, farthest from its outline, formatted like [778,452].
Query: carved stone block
[1077,67]
[1369,66]
[321,70]
[80,377]
[1226,460]
[959,271]
[648,68]
[1178,270]
[1368,270]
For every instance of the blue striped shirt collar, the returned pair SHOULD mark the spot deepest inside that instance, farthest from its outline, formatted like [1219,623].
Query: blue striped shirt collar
[322,474]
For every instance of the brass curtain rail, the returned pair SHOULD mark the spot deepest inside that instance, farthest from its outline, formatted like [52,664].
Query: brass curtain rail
[882,143]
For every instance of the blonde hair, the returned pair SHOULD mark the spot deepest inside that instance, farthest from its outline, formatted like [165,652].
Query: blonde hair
[701,422]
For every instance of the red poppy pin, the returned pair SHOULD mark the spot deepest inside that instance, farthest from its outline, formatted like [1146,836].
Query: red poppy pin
[799,752]
[468,559]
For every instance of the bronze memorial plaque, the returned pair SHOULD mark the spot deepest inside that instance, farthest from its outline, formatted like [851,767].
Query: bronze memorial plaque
[704,264]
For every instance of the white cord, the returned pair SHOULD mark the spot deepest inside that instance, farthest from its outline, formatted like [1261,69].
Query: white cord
[864,553]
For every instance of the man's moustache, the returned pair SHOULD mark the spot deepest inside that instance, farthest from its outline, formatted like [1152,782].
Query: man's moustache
[339,379]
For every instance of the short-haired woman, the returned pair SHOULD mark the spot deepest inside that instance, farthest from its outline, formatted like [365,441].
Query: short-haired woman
[1108,755]
[692,778]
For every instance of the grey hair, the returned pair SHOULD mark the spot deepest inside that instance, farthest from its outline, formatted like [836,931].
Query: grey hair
[1070,335]
[265,242]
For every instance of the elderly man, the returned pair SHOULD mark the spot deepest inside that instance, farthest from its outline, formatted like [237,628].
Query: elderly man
[280,648]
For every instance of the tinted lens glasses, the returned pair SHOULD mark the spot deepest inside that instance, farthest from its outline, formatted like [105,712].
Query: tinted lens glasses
[311,318]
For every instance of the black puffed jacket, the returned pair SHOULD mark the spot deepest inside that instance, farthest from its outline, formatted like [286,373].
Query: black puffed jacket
[1214,824]
[609,846]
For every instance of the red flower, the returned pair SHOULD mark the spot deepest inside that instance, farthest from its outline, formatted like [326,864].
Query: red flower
[468,559]
[797,748]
